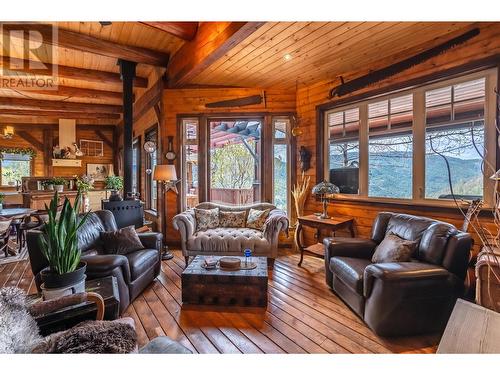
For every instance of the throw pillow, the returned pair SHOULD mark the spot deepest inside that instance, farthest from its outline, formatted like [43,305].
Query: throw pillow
[394,249]
[232,219]
[206,219]
[257,218]
[122,241]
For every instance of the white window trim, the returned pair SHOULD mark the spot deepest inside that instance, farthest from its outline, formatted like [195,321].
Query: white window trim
[284,141]
[184,142]
[418,132]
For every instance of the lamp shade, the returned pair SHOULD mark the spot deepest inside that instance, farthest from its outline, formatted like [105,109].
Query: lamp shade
[324,188]
[164,172]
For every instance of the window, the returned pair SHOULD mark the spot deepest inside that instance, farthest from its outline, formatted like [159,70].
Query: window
[92,148]
[136,165]
[13,167]
[392,146]
[281,163]
[190,131]
[343,149]
[454,128]
[151,185]
[235,150]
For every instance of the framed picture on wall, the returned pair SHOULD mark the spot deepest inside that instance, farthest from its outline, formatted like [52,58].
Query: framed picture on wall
[99,172]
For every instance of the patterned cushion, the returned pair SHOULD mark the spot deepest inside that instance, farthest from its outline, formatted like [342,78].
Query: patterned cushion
[232,219]
[257,218]
[206,219]
[394,249]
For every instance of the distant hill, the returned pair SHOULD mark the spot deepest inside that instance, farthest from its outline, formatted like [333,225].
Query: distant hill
[390,175]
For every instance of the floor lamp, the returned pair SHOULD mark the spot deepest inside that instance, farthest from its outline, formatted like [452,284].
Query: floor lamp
[166,175]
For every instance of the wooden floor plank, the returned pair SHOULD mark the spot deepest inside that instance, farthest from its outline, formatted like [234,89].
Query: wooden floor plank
[303,314]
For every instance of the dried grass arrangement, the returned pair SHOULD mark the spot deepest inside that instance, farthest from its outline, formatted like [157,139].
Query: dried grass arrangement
[299,193]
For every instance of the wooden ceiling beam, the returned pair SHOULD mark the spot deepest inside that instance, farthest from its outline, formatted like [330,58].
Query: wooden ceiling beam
[70,92]
[70,72]
[13,112]
[30,139]
[86,43]
[55,105]
[148,99]
[183,30]
[212,41]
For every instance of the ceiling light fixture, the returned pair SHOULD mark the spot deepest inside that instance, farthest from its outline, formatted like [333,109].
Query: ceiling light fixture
[8,132]
[287,57]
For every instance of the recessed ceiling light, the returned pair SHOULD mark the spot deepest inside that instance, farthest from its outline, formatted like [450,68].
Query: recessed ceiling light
[287,57]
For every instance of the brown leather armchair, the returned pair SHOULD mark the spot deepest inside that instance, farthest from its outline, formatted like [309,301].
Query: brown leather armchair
[134,271]
[406,298]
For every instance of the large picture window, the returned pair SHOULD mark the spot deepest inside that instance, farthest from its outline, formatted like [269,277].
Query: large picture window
[13,167]
[235,151]
[395,146]
[235,160]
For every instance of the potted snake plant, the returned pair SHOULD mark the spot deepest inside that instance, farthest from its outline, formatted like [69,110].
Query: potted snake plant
[59,244]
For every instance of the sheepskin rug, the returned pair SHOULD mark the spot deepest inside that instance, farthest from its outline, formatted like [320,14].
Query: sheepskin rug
[18,330]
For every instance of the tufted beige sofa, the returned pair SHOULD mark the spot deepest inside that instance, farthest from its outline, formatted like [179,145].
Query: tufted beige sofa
[231,241]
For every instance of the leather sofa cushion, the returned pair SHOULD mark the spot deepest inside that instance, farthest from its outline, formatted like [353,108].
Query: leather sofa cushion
[229,240]
[122,241]
[394,249]
[350,271]
[141,261]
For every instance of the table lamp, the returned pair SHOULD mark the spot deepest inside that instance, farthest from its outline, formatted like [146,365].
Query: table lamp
[322,190]
[167,176]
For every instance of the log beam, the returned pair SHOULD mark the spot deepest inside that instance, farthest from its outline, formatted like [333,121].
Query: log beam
[30,139]
[69,92]
[104,138]
[86,43]
[59,114]
[148,99]
[212,41]
[183,30]
[70,72]
[22,103]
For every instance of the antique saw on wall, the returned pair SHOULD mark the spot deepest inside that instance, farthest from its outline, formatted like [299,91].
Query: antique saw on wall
[239,102]
[378,75]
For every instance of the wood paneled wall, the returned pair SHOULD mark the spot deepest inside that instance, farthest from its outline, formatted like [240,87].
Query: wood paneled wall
[482,46]
[192,102]
[39,167]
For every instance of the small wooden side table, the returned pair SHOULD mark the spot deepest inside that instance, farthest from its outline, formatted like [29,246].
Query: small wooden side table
[332,225]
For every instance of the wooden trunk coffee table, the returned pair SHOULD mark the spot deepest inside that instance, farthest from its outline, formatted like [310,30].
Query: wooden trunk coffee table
[246,288]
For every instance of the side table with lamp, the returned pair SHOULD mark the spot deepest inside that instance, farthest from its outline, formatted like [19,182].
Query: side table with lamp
[321,222]
[167,176]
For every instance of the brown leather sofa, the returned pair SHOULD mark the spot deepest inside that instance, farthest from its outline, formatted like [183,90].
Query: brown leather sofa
[406,298]
[134,271]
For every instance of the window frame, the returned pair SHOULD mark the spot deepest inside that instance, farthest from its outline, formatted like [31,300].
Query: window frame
[182,159]
[136,142]
[31,169]
[419,134]
[203,150]
[287,142]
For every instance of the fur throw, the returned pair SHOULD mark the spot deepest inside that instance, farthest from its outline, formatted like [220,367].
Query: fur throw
[18,330]
[91,337]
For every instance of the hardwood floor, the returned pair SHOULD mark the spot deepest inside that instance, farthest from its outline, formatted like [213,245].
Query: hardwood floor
[303,315]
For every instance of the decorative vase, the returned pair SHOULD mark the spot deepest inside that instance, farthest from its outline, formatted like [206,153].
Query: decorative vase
[59,188]
[86,202]
[55,285]
[115,196]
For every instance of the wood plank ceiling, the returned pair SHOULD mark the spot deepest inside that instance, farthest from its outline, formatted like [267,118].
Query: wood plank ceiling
[284,54]
[263,55]
[96,77]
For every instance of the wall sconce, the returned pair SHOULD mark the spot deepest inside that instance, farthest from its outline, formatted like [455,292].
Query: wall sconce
[8,132]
